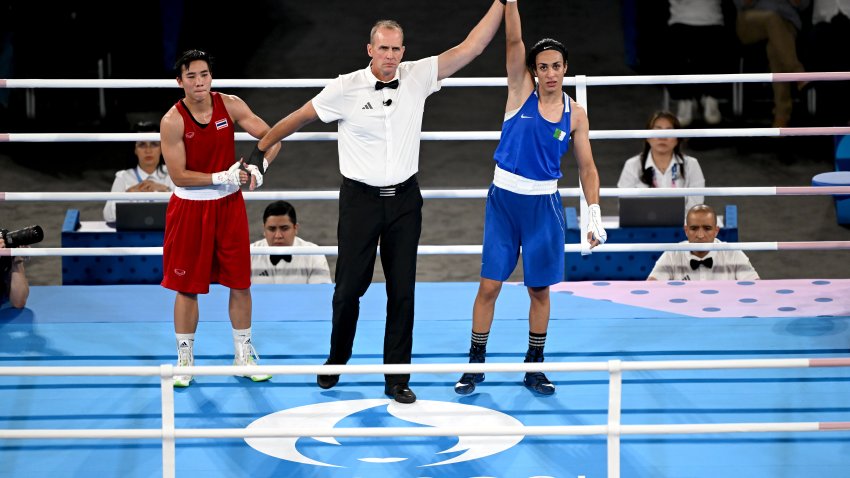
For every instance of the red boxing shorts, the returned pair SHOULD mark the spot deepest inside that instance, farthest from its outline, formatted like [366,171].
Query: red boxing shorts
[206,242]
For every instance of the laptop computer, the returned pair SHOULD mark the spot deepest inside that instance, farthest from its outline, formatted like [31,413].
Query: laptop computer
[652,212]
[140,216]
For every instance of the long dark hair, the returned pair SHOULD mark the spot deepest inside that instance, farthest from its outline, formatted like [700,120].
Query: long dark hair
[678,157]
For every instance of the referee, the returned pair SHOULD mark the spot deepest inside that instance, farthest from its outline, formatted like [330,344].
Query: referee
[379,111]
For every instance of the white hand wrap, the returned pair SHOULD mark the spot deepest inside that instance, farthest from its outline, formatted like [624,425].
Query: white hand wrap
[255,172]
[231,176]
[594,223]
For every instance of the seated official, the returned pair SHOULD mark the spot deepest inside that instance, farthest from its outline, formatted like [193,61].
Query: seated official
[701,227]
[662,164]
[149,175]
[14,286]
[280,228]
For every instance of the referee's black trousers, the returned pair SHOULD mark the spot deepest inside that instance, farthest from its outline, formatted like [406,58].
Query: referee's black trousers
[365,219]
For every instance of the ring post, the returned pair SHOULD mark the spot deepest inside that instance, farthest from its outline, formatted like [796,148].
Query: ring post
[615,390]
[166,383]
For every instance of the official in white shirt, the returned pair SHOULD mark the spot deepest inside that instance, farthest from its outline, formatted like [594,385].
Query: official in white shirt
[280,229]
[701,227]
[662,163]
[149,174]
[378,111]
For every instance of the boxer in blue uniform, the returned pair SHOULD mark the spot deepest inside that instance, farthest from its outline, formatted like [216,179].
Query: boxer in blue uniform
[523,205]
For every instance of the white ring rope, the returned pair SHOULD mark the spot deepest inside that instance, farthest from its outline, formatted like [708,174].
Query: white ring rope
[445,135]
[613,429]
[551,430]
[456,249]
[450,82]
[422,368]
[446,250]
[453,135]
[442,193]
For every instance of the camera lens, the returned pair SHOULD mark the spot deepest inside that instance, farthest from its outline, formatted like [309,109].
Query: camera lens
[24,237]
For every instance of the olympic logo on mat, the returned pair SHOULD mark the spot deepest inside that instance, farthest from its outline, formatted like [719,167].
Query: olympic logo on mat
[372,412]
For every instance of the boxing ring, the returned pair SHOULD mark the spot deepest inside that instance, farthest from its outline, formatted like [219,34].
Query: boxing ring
[717,378]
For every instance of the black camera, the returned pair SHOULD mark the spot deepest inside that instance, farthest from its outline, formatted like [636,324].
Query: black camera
[22,237]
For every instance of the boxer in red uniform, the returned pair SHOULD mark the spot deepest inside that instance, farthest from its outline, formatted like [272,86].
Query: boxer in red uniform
[206,229]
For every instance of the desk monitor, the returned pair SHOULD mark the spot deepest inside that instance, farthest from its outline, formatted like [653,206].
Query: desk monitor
[140,216]
[652,212]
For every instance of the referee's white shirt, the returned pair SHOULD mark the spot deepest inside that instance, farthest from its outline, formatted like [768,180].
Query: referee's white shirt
[728,265]
[379,130]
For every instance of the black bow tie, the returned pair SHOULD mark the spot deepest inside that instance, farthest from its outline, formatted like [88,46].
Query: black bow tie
[705,262]
[380,85]
[276,259]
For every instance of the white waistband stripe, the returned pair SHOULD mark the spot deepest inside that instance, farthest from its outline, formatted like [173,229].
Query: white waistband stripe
[520,185]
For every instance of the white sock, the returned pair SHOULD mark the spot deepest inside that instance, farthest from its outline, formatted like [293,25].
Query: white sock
[241,336]
[185,340]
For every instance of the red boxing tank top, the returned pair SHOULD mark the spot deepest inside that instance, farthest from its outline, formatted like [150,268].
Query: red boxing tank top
[209,147]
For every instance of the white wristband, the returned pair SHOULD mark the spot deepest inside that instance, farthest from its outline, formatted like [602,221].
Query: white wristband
[219,178]
[594,223]
[231,176]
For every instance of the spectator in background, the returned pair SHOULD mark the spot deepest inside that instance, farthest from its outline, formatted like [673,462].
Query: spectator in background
[280,228]
[830,30]
[697,46]
[701,228]
[148,175]
[662,164]
[14,286]
[778,22]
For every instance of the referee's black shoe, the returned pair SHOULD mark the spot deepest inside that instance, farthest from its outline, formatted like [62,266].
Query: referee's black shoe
[327,381]
[400,392]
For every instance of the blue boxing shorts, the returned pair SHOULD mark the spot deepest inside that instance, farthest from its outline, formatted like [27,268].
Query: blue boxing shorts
[533,222]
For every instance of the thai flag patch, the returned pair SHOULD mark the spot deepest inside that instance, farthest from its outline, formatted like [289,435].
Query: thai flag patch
[221,124]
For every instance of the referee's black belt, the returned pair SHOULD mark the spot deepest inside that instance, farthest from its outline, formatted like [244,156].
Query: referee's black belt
[382,191]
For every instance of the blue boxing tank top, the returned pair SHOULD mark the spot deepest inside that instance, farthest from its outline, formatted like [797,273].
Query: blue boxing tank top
[532,146]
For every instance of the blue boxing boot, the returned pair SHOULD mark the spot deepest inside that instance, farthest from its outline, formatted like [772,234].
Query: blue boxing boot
[537,381]
[466,384]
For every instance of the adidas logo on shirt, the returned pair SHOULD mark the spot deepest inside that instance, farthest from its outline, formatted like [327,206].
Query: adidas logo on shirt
[367,107]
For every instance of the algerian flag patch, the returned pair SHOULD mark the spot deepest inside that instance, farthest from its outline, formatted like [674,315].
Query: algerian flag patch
[559,135]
